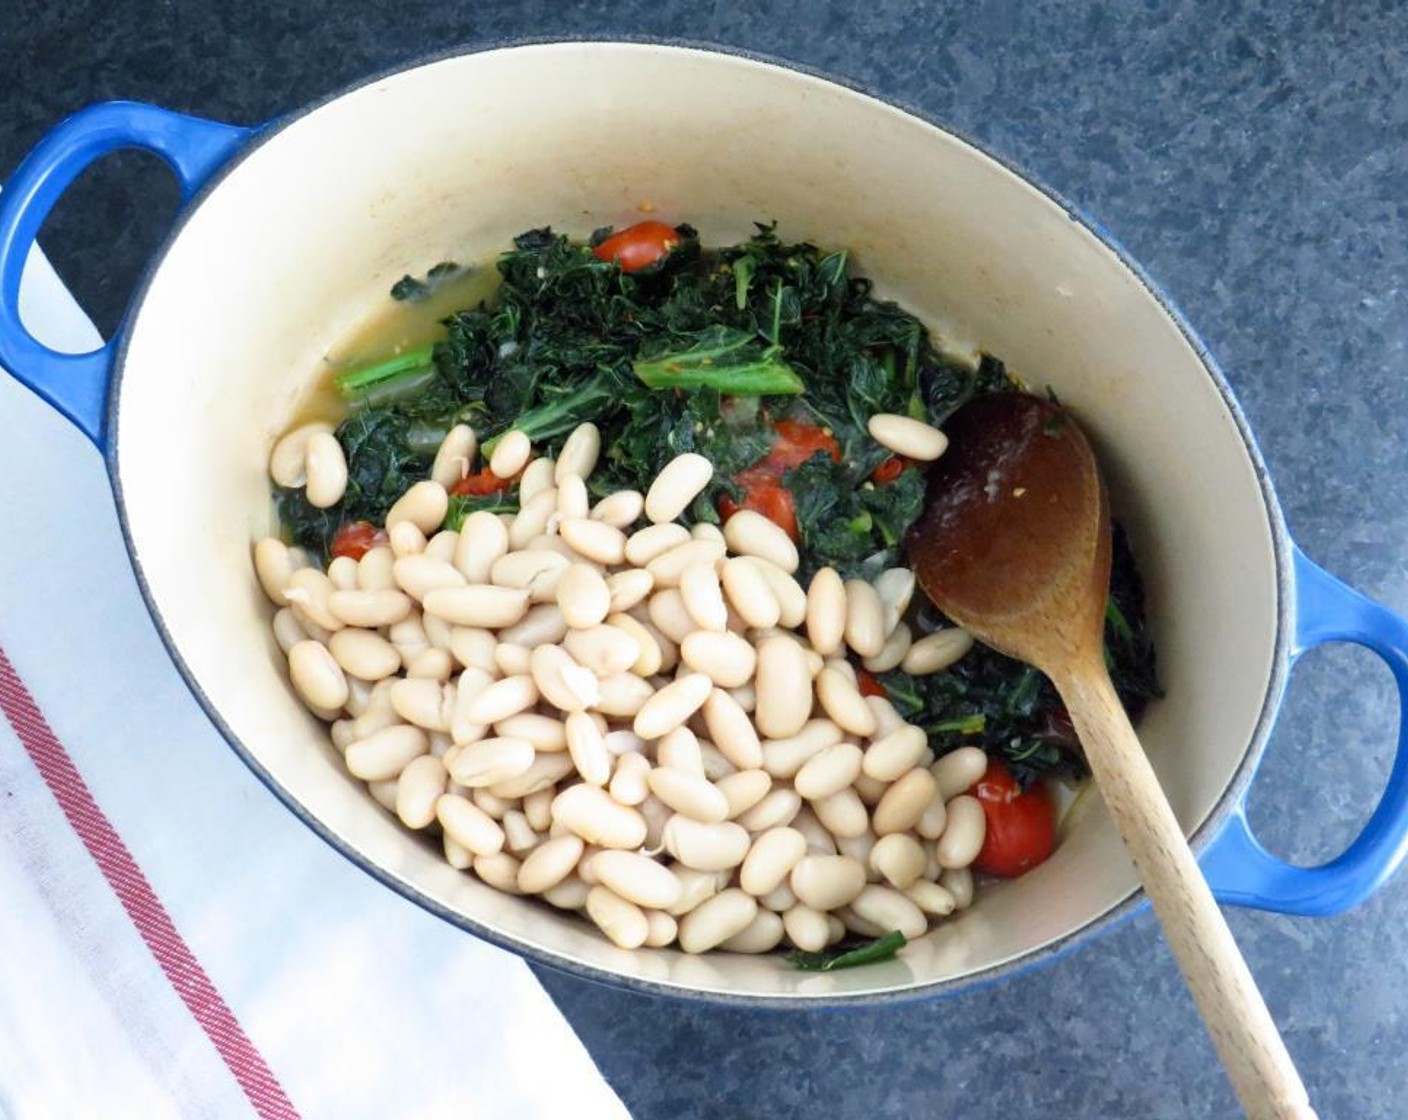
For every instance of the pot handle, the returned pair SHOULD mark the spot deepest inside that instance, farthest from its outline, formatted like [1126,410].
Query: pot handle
[1243,873]
[76,384]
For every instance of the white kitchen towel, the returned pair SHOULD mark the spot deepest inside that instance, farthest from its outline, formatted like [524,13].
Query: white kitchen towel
[287,982]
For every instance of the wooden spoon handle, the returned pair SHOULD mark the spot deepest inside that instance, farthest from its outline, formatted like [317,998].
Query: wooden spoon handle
[1242,1029]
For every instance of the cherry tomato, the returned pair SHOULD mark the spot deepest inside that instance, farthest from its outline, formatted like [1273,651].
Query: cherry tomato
[869,685]
[638,246]
[797,441]
[1021,825]
[887,471]
[481,483]
[356,539]
[763,493]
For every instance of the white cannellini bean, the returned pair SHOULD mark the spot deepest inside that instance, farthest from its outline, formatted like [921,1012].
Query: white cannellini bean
[779,899]
[597,541]
[762,935]
[828,772]
[956,771]
[288,461]
[468,825]
[606,649]
[931,898]
[680,750]
[549,864]
[309,593]
[544,732]
[743,789]
[654,541]
[587,747]
[827,882]
[623,922]
[510,454]
[819,840]
[542,625]
[620,510]
[628,588]
[889,909]
[536,570]
[369,608]
[442,546]
[937,651]
[963,836]
[327,471]
[716,766]
[579,453]
[778,808]
[689,793]
[570,894]
[483,539]
[840,699]
[423,505]
[591,813]
[662,929]
[784,688]
[383,754]
[732,731]
[668,614]
[431,664]
[628,782]
[649,657]
[695,887]
[672,705]
[782,758]
[705,847]
[537,807]
[478,604]
[895,586]
[805,928]
[418,789]
[455,456]
[791,599]
[343,733]
[532,518]
[678,484]
[288,631]
[703,597]
[472,647]
[892,652]
[547,770]
[904,803]
[342,573]
[886,718]
[900,858]
[274,564]
[563,683]
[539,475]
[910,438]
[502,699]
[622,696]
[637,878]
[858,847]
[725,658]
[499,870]
[770,860]
[583,597]
[865,618]
[439,633]
[748,533]
[717,919]
[842,813]
[406,540]
[893,755]
[422,702]
[418,575]
[826,612]
[384,793]
[491,762]
[958,882]
[316,675]
[705,531]
[669,567]
[934,819]
[374,569]
[364,653]
[749,593]
[572,501]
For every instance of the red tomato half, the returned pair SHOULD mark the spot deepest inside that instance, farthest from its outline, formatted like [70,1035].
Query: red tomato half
[763,493]
[797,441]
[1021,826]
[638,246]
[869,686]
[356,539]
[887,471]
[481,483]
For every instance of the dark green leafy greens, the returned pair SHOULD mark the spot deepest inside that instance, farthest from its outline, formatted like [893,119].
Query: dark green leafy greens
[705,352]
[848,955]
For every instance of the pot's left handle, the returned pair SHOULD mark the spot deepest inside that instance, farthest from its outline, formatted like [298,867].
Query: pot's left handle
[76,384]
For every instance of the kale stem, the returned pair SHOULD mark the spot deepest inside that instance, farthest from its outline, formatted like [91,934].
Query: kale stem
[377,379]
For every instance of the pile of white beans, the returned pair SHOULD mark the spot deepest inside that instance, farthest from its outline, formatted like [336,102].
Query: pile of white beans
[652,724]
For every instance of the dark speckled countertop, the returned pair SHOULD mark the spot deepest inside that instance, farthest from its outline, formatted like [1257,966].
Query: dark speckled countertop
[1254,157]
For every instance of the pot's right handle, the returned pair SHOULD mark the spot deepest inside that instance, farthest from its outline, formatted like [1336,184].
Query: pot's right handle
[76,384]
[1238,868]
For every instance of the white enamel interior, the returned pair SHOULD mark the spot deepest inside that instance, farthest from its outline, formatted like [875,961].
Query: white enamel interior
[450,160]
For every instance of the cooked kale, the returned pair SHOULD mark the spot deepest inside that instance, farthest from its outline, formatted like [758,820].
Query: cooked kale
[849,953]
[706,352]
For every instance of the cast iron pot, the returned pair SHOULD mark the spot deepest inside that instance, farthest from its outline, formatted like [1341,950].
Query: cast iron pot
[292,233]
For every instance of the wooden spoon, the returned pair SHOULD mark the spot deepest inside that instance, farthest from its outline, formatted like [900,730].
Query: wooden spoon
[1014,545]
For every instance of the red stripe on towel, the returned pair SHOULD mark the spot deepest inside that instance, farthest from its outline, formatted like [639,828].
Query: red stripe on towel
[139,900]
